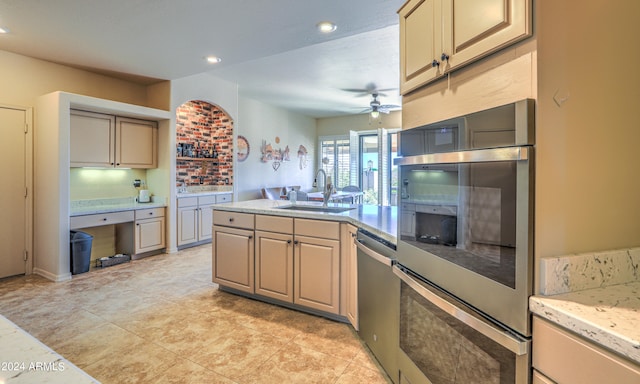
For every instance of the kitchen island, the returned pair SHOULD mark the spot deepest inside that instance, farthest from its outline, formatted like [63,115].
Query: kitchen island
[379,220]
[301,256]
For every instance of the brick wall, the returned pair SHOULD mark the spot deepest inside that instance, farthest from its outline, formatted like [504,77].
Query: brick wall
[207,127]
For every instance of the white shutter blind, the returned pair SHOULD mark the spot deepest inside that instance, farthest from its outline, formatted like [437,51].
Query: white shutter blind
[354,157]
[383,165]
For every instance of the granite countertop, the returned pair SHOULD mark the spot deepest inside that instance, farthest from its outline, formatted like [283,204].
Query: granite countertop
[95,206]
[203,190]
[381,221]
[595,295]
[26,360]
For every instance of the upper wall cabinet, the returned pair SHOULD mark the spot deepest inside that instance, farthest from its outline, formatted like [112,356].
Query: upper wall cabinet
[100,140]
[438,36]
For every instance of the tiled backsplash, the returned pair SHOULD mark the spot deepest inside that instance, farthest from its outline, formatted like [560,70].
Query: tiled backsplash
[589,270]
[202,124]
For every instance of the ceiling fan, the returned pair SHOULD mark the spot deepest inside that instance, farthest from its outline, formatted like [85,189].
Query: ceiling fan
[375,108]
[369,89]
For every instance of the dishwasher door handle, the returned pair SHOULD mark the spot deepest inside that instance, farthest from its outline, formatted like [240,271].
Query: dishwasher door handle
[373,254]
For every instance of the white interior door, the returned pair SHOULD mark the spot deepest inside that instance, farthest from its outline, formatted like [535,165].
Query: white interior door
[13,204]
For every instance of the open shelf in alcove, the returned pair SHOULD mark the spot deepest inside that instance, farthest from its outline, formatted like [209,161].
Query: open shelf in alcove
[196,159]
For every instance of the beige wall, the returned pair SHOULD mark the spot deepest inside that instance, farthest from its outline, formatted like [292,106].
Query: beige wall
[341,125]
[24,79]
[587,183]
[259,122]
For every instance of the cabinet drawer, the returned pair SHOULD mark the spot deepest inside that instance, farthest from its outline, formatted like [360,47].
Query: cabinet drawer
[97,220]
[149,213]
[274,224]
[567,358]
[318,228]
[206,200]
[233,219]
[227,197]
[187,201]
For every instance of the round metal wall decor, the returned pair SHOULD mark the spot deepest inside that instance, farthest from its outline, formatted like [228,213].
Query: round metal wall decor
[243,148]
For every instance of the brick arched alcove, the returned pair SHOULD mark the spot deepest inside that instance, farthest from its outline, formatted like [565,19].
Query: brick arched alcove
[209,130]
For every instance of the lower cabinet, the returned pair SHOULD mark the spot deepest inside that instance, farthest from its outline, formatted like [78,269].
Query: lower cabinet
[233,250]
[195,218]
[149,230]
[297,261]
[560,356]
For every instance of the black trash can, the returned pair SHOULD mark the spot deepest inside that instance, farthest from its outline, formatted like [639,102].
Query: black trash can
[80,252]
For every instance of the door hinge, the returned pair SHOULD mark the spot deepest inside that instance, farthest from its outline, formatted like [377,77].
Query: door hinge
[26,255]
[26,128]
[26,191]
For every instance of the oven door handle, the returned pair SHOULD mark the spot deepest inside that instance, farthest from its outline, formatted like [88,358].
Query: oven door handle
[471,156]
[373,254]
[518,346]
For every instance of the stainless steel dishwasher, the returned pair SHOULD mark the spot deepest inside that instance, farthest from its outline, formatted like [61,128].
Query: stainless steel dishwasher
[378,300]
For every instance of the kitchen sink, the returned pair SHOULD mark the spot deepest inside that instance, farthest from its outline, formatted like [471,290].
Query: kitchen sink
[316,208]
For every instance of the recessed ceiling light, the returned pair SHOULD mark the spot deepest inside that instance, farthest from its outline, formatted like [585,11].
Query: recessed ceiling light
[326,27]
[213,59]
[3,30]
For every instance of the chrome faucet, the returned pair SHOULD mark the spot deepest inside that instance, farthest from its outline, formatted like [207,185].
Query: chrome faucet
[328,188]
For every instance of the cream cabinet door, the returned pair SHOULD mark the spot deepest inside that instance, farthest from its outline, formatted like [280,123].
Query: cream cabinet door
[136,143]
[92,139]
[350,276]
[149,235]
[187,225]
[475,28]
[205,222]
[274,265]
[233,263]
[317,273]
[420,43]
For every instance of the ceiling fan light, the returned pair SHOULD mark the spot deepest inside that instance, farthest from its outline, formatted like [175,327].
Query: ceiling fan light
[375,114]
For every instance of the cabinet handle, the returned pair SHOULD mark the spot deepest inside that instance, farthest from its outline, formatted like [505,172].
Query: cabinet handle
[444,57]
[435,63]
[353,235]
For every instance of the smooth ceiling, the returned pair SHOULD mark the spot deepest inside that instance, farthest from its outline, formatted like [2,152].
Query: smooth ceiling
[270,48]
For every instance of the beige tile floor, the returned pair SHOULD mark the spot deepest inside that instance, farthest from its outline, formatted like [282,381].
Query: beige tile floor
[162,320]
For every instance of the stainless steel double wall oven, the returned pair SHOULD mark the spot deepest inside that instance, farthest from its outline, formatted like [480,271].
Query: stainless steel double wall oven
[465,247]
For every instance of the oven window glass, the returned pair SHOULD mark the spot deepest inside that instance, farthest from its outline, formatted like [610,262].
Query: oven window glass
[448,351]
[466,214]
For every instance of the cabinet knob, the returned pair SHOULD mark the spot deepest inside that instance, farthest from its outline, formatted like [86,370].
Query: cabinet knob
[150,213]
[444,57]
[288,241]
[231,219]
[296,242]
[435,63]
[104,219]
[353,235]
[250,237]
